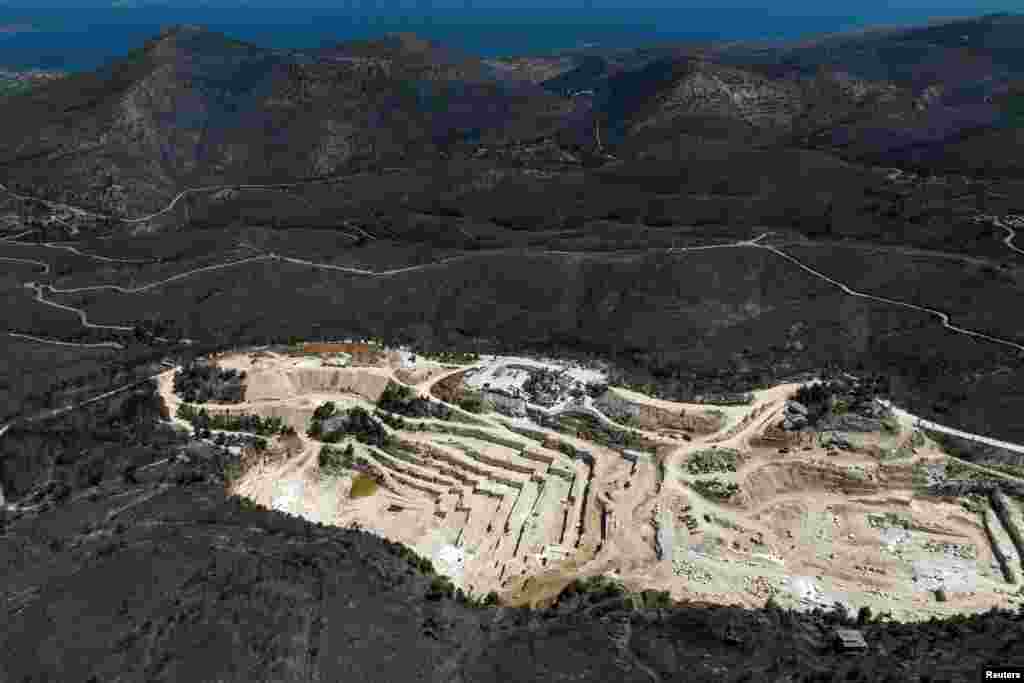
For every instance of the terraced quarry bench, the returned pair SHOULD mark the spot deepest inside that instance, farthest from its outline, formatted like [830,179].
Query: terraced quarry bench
[506,500]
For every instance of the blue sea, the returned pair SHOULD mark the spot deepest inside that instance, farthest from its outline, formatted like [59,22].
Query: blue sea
[82,39]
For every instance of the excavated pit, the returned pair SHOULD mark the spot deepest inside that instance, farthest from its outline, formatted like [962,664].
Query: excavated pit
[514,506]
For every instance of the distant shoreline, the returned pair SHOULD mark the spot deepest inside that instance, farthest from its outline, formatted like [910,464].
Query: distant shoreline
[50,38]
[9,29]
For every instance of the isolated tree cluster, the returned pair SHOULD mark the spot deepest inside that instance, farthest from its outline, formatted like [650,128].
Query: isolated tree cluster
[330,426]
[205,382]
[204,422]
[402,400]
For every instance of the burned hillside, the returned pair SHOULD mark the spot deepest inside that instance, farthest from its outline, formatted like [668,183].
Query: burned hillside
[305,599]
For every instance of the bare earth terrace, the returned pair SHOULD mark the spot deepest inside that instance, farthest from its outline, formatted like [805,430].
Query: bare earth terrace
[522,505]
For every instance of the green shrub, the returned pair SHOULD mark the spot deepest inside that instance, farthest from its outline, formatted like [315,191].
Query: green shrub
[204,382]
[919,475]
[902,453]
[393,421]
[591,429]
[960,470]
[856,475]
[324,411]
[656,599]
[716,489]
[394,393]
[890,425]
[334,461]
[975,503]
[713,460]
[453,357]
[599,587]
[358,423]
[425,566]
[402,400]
[473,402]
[1013,470]
[440,587]
[889,519]
[232,471]
[254,424]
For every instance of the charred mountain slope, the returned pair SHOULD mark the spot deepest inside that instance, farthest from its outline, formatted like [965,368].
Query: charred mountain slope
[192,107]
[941,98]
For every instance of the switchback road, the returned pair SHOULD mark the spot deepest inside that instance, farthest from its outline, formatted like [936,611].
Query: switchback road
[943,318]
[1008,225]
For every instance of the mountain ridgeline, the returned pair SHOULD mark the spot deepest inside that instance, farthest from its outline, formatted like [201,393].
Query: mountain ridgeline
[192,107]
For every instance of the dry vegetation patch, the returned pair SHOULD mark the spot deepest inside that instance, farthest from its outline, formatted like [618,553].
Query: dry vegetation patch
[363,486]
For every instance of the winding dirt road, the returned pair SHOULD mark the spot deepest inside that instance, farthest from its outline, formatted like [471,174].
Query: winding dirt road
[372,273]
[83,317]
[57,342]
[96,257]
[944,318]
[1008,225]
[158,283]
[171,204]
[31,262]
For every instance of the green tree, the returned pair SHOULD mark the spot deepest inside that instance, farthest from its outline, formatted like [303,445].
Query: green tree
[324,411]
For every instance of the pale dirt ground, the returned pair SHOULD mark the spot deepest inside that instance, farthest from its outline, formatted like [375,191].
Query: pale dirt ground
[798,530]
[416,372]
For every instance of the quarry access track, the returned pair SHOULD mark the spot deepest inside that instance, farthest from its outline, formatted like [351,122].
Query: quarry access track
[921,423]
